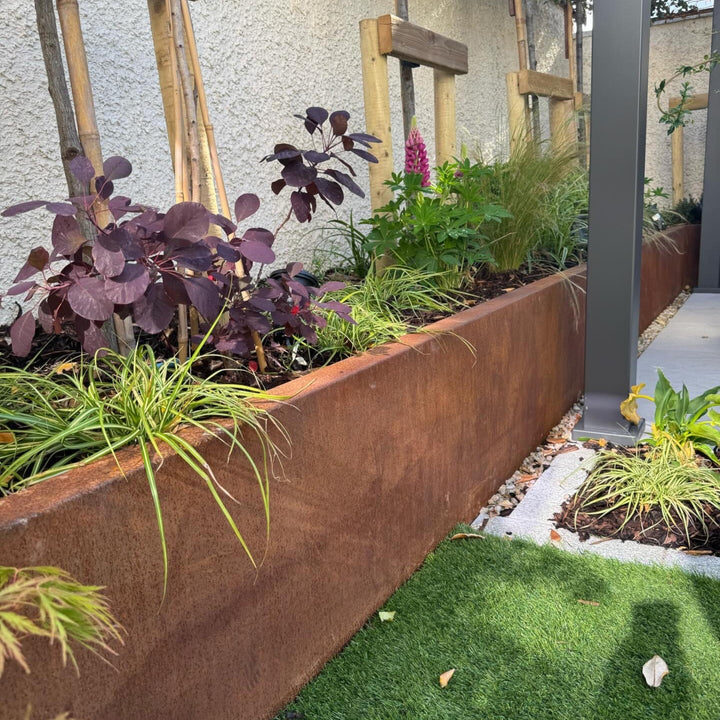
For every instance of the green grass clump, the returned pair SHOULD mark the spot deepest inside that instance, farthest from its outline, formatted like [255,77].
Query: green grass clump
[506,616]
[380,308]
[662,480]
[52,423]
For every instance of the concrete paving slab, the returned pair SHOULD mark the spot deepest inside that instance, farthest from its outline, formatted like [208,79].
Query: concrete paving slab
[687,351]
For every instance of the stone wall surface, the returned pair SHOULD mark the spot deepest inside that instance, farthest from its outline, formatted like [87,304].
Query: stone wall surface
[261,62]
[672,44]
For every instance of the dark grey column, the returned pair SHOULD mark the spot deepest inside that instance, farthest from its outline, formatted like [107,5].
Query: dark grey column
[709,275]
[621,32]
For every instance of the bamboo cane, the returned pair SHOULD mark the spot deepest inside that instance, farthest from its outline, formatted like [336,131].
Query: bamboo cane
[210,131]
[69,15]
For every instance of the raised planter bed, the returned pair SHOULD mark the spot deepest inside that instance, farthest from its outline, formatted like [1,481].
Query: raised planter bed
[389,451]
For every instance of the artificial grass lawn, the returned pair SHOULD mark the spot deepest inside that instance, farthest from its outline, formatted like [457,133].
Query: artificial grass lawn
[506,615]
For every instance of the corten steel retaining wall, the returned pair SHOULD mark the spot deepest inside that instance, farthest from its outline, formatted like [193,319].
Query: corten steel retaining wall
[389,451]
[666,268]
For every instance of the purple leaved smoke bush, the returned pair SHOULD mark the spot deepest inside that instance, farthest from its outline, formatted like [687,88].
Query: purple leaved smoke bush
[145,263]
[416,159]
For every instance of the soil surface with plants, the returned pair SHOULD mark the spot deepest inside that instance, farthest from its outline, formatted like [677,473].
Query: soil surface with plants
[649,527]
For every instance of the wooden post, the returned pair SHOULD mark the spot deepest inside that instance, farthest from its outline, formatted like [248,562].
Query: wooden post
[676,144]
[445,138]
[562,123]
[377,111]
[569,45]
[518,125]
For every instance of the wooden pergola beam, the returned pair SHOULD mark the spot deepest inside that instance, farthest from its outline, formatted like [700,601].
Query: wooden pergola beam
[401,39]
[531,82]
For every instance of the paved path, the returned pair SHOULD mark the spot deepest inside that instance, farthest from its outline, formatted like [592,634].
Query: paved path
[687,351]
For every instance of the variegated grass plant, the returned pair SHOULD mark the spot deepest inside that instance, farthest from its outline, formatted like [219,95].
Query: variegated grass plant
[50,424]
[47,602]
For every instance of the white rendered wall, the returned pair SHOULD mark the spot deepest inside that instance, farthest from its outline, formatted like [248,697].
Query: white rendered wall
[672,44]
[262,62]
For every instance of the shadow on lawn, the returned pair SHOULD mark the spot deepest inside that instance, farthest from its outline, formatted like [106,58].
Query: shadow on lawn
[653,631]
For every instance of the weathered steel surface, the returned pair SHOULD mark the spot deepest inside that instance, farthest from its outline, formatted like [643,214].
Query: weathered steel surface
[389,451]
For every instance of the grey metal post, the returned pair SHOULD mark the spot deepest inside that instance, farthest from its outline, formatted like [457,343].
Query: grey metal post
[709,274]
[621,33]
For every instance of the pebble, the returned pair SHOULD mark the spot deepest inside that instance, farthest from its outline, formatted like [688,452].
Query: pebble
[509,495]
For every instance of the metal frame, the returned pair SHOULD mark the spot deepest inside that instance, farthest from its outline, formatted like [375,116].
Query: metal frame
[621,34]
[709,272]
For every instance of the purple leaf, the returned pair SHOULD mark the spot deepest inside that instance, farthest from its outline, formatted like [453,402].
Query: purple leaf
[88,299]
[45,316]
[128,286]
[347,143]
[61,208]
[364,138]
[227,252]
[293,268]
[300,206]
[153,312]
[365,155]
[331,286]
[103,187]
[23,207]
[246,205]
[22,333]
[82,169]
[315,157]
[20,288]
[37,260]
[108,262]
[277,186]
[67,238]
[317,114]
[175,288]
[263,304]
[339,121]
[256,251]
[350,168]
[188,221]
[330,190]
[204,296]
[261,234]
[91,336]
[298,174]
[119,206]
[116,167]
[227,225]
[196,257]
[347,181]
[284,153]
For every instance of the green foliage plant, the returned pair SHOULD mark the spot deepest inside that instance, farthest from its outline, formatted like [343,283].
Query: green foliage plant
[47,602]
[437,228]
[677,486]
[51,424]
[688,425]
[529,186]
[381,307]
[343,248]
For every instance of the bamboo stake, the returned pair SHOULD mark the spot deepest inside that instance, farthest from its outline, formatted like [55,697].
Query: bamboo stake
[88,133]
[215,160]
[521,34]
[407,86]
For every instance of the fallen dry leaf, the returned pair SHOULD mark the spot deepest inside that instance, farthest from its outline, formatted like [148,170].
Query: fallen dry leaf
[555,536]
[467,536]
[569,448]
[508,289]
[7,437]
[698,552]
[387,615]
[527,478]
[445,677]
[589,602]
[557,440]
[654,670]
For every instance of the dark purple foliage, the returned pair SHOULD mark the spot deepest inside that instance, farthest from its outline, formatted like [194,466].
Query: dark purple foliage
[148,264]
[302,169]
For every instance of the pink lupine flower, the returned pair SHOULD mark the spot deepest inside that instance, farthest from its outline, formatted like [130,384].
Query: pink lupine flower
[416,160]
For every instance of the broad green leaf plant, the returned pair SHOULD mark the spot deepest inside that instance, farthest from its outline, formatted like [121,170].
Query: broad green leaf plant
[689,425]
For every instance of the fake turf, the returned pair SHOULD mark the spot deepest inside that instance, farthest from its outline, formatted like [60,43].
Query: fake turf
[505,614]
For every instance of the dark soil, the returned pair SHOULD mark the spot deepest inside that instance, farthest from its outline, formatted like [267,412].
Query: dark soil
[50,351]
[648,529]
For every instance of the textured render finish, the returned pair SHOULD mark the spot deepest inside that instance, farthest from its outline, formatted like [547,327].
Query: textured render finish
[433,430]
[262,62]
[672,44]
